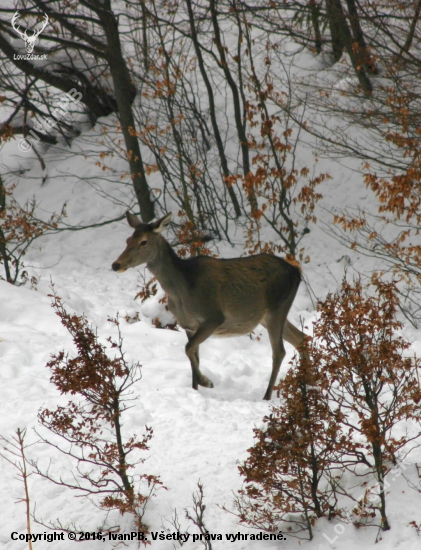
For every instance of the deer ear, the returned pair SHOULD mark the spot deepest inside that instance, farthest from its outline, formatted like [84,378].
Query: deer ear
[132,219]
[161,224]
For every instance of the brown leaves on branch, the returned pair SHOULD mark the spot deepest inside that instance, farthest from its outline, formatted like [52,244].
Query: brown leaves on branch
[400,194]
[91,429]
[352,406]
[19,227]
[399,207]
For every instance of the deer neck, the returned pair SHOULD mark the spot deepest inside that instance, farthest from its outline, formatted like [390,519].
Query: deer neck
[166,268]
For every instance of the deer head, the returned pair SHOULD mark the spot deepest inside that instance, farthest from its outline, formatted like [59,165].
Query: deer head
[142,245]
[29,40]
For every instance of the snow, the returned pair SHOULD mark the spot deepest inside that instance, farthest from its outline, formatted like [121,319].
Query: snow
[199,435]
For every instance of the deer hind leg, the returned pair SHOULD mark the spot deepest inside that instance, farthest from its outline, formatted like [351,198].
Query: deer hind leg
[274,323]
[192,351]
[295,337]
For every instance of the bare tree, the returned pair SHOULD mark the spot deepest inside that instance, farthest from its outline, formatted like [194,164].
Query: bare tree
[92,33]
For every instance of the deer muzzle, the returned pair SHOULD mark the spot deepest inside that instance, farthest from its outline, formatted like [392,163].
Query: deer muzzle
[117,267]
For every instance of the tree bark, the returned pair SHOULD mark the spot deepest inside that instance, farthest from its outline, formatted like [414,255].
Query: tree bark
[124,91]
[337,42]
[362,53]
[3,250]
[341,31]
[315,14]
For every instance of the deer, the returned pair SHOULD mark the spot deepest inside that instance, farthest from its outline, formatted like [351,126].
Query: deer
[218,297]
[29,40]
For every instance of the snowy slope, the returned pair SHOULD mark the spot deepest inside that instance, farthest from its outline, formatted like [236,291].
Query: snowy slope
[197,435]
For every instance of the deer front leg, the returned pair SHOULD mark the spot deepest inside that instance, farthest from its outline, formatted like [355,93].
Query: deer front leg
[192,350]
[196,355]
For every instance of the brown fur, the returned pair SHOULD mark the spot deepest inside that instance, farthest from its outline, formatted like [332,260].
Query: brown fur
[210,296]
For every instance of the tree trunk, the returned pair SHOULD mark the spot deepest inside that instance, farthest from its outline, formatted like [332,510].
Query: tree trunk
[3,250]
[124,90]
[337,42]
[339,26]
[315,14]
[362,50]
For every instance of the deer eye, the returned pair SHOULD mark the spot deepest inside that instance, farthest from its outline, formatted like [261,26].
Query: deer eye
[143,243]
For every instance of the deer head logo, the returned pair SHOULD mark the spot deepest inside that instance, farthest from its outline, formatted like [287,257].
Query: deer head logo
[29,40]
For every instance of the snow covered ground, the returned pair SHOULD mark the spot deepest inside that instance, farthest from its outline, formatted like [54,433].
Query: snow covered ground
[197,435]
